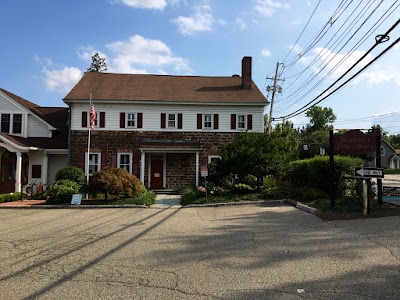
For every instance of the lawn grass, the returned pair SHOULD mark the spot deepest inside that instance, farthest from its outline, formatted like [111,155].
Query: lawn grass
[392,171]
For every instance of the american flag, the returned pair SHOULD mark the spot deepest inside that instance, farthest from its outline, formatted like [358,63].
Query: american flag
[92,116]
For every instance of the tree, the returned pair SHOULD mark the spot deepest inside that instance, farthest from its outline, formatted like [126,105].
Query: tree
[319,118]
[394,140]
[376,127]
[98,64]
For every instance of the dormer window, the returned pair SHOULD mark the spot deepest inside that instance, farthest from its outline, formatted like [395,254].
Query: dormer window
[11,123]
[5,123]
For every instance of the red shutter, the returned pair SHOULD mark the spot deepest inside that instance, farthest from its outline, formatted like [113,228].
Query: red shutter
[114,160]
[103,160]
[216,121]
[102,119]
[163,118]
[179,121]
[122,120]
[199,121]
[233,121]
[140,120]
[84,119]
[249,122]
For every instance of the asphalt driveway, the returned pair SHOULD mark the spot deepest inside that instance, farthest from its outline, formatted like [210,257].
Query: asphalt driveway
[230,252]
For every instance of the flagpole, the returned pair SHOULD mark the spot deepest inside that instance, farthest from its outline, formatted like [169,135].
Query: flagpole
[88,150]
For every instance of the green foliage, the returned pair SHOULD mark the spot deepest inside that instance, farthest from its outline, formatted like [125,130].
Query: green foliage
[308,194]
[320,117]
[394,140]
[10,197]
[241,188]
[315,172]
[314,141]
[275,192]
[72,173]
[61,191]
[377,127]
[116,182]
[392,171]
[98,64]
[146,198]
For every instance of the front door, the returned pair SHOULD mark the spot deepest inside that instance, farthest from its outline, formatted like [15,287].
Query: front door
[7,172]
[157,171]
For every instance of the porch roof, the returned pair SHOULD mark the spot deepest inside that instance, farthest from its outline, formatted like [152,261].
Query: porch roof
[59,141]
[170,144]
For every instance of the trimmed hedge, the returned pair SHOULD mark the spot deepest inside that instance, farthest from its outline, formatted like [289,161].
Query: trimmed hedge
[62,190]
[72,173]
[314,172]
[10,197]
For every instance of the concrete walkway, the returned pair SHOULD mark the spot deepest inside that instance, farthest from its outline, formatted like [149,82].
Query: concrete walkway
[167,201]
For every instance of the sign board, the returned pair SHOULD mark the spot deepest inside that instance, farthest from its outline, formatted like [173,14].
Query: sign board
[76,199]
[355,143]
[369,172]
[204,170]
[391,193]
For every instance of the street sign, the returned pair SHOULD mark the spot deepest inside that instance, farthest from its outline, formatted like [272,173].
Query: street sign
[369,172]
[204,170]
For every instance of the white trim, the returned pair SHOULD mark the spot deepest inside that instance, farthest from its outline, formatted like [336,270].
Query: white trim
[244,121]
[127,119]
[167,120]
[211,121]
[130,154]
[197,168]
[87,163]
[169,150]
[210,157]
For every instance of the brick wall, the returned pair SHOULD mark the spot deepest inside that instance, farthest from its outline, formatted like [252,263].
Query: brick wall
[180,167]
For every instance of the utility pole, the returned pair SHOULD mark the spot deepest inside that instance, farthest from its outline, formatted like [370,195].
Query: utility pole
[273,97]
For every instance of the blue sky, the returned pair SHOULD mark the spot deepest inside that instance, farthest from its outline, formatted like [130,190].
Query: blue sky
[48,44]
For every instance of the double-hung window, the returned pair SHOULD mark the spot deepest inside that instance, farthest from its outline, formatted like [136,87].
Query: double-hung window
[17,123]
[207,121]
[94,162]
[131,120]
[171,123]
[125,161]
[5,123]
[241,121]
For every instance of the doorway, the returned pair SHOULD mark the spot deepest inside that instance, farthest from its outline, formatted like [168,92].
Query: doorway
[157,173]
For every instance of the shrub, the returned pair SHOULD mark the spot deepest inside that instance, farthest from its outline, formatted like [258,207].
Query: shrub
[62,190]
[241,188]
[275,192]
[308,194]
[314,172]
[10,197]
[71,173]
[116,182]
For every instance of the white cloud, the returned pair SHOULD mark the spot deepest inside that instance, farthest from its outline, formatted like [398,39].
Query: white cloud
[144,4]
[266,53]
[87,52]
[43,60]
[62,80]
[268,7]
[201,20]
[296,48]
[241,23]
[137,53]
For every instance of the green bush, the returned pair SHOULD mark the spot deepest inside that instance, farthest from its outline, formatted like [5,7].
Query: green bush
[308,194]
[275,192]
[62,190]
[116,182]
[10,197]
[241,188]
[315,172]
[72,173]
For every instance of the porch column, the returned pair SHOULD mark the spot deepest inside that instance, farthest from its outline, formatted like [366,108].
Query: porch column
[197,168]
[18,173]
[142,164]
[45,166]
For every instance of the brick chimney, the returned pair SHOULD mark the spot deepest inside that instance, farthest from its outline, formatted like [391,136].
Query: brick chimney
[246,72]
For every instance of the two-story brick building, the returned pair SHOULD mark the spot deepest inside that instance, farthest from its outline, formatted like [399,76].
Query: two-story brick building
[161,128]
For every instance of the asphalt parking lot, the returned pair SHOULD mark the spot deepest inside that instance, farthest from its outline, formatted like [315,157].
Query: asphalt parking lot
[228,252]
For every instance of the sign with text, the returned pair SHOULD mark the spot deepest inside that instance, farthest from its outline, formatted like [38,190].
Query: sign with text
[391,193]
[76,199]
[369,172]
[355,143]
[204,170]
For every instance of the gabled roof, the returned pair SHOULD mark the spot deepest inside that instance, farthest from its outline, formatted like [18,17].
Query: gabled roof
[55,116]
[164,88]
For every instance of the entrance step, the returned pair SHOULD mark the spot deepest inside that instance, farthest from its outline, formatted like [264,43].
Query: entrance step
[167,201]
[165,192]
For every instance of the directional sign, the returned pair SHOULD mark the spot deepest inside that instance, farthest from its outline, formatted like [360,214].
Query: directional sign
[369,172]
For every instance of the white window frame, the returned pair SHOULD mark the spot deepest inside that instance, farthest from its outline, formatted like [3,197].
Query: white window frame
[22,121]
[244,122]
[128,120]
[168,120]
[9,121]
[130,160]
[211,158]
[211,121]
[11,124]
[87,167]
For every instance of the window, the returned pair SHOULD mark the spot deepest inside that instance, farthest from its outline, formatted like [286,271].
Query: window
[131,120]
[213,158]
[5,123]
[36,171]
[208,121]
[125,161]
[171,121]
[17,123]
[241,121]
[94,162]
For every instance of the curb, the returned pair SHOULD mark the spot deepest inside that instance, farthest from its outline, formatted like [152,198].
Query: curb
[72,206]
[234,203]
[301,206]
